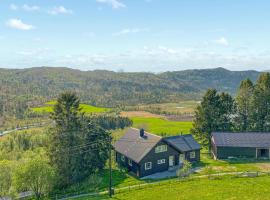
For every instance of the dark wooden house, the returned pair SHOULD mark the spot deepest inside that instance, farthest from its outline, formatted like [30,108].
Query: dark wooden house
[245,145]
[144,153]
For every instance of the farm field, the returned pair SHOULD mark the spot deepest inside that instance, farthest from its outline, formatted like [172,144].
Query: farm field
[172,108]
[48,107]
[162,127]
[201,189]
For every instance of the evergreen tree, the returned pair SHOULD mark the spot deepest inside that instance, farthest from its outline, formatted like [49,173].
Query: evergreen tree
[261,103]
[65,136]
[206,116]
[78,147]
[244,109]
[226,111]
[213,114]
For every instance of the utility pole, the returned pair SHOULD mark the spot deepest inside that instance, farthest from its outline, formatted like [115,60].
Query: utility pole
[110,167]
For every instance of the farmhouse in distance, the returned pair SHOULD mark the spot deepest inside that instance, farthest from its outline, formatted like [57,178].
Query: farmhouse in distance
[144,153]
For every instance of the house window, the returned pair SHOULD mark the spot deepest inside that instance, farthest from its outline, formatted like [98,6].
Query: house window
[129,162]
[123,158]
[192,154]
[161,148]
[148,165]
[161,161]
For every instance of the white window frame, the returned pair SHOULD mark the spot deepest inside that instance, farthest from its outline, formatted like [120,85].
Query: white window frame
[192,154]
[161,161]
[129,162]
[123,158]
[161,148]
[148,165]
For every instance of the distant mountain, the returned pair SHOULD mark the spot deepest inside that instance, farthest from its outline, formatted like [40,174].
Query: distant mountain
[107,88]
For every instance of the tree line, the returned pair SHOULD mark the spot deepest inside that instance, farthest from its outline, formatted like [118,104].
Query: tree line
[248,111]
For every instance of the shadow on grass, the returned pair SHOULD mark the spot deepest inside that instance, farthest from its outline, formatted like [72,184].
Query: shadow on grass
[99,182]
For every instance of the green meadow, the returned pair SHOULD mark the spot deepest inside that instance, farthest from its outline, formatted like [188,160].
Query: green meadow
[229,188]
[48,107]
[162,126]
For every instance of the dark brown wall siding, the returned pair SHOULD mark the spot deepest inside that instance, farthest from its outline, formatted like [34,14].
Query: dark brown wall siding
[139,168]
[225,152]
[154,157]
[134,168]
[197,156]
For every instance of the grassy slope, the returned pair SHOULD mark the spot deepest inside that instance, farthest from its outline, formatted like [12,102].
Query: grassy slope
[162,126]
[85,108]
[203,189]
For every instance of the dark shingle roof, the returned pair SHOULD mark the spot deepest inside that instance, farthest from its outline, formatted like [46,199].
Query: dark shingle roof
[248,139]
[135,147]
[183,142]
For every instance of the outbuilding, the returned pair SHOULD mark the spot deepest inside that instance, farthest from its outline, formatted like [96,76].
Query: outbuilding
[242,145]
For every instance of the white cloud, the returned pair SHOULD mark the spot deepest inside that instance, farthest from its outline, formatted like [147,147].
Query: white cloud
[115,4]
[60,10]
[222,41]
[24,7]
[155,59]
[18,24]
[167,50]
[129,31]
[13,7]
[30,8]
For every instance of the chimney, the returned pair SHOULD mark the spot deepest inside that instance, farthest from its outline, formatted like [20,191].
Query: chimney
[142,132]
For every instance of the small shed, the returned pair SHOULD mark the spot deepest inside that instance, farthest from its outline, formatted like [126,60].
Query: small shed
[244,144]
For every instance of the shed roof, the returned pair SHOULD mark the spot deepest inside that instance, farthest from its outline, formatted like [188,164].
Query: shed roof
[243,139]
[135,147]
[183,143]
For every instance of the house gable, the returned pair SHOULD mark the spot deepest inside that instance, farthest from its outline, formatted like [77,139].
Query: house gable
[154,158]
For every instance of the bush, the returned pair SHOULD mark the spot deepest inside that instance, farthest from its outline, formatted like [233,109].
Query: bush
[185,170]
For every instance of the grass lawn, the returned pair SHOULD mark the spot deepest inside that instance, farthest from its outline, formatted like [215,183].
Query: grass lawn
[229,188]
[239,165]
[162,126]
[48,107]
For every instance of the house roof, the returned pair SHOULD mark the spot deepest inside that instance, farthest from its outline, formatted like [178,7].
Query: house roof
[183,143]
[244,139]
[135,147]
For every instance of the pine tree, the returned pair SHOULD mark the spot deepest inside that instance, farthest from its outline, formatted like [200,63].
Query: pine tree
[65,136]
[227,109]
[78,147]
[213,114]
[261,103]
[244,107]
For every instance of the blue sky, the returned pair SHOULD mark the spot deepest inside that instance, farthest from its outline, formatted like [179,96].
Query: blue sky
[135,35]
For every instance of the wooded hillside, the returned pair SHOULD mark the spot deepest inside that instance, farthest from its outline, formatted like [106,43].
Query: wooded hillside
[106,88]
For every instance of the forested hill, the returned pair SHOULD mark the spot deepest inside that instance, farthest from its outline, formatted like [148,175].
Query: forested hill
[106,88]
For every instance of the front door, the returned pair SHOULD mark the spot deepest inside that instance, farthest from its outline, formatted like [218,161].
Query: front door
[171,161]
[181,158]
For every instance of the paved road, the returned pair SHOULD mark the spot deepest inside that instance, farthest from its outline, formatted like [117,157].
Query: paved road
[23,128]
